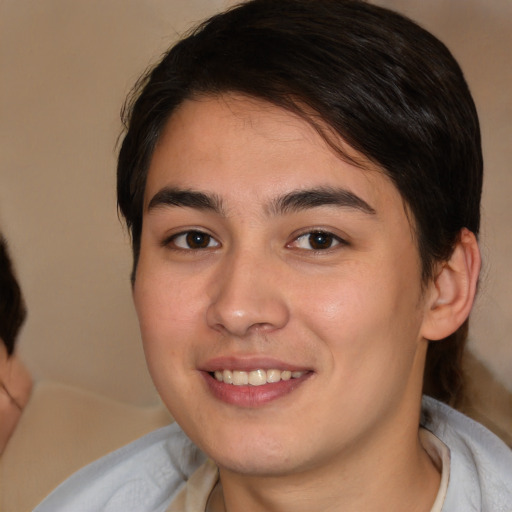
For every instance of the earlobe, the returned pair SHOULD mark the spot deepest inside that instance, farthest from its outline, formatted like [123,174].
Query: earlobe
[453,290]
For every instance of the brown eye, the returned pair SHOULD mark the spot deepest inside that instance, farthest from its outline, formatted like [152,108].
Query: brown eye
[317,241]
[193,240]
[320,240]
[197,240]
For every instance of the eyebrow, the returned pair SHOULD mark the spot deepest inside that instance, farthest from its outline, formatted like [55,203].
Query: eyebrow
[169,196]
[317,197]
[294,201]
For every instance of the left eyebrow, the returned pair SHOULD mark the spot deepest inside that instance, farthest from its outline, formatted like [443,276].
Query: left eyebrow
[314,198]
[176,197]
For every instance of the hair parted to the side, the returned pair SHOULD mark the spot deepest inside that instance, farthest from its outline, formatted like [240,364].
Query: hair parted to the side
[385,86]
[12,306]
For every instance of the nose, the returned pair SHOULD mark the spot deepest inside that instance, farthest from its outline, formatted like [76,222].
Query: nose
[247,298]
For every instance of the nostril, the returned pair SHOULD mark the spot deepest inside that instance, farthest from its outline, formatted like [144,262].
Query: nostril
[257,314]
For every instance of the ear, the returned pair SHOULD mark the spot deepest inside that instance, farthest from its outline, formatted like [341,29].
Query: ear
[451,294]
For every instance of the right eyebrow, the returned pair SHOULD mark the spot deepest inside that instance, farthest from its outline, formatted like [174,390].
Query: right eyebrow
[171,197]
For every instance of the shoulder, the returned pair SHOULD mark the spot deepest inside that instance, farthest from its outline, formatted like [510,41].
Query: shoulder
[480,463]
[143,476]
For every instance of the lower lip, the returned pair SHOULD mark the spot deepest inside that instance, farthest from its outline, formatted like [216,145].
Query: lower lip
[252,396]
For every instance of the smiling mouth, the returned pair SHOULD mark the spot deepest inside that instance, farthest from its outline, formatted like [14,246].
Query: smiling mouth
[255,377]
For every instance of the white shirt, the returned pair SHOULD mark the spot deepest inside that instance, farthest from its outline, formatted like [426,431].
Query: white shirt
[149,474]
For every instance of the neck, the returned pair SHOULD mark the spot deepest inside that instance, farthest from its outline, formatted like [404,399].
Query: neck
[393,473]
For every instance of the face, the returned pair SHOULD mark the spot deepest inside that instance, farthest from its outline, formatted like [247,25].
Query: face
[278,291]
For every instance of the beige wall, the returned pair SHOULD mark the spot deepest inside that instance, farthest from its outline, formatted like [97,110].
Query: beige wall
[66,66]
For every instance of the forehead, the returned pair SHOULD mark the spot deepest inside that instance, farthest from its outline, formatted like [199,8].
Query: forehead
[249,150]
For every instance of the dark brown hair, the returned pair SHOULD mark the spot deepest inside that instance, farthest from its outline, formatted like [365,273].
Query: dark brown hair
[12,307]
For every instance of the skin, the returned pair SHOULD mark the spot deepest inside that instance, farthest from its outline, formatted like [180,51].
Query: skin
[15,387]
[353,313]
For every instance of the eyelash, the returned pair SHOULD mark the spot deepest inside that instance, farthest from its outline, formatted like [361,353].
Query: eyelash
[331,239]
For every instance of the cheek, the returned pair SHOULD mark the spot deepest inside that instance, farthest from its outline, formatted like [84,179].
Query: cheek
[166,318]
[366,314]
[344,304]
[166,313]
[164,302]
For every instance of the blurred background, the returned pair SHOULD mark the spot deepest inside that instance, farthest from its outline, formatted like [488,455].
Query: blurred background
[66,67]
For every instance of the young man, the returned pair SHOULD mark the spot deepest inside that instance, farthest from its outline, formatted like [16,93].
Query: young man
[302,183]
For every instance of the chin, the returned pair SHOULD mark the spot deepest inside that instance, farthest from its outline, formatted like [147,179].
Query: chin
[257,465]
[252,454]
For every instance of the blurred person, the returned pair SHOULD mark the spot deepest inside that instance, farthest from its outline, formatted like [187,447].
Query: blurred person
[15,381]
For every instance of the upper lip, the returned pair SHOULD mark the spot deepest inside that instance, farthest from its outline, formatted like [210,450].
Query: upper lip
[248,364]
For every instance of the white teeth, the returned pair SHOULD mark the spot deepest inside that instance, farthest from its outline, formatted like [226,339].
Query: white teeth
[240,378]
[273,375]
[255,377]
